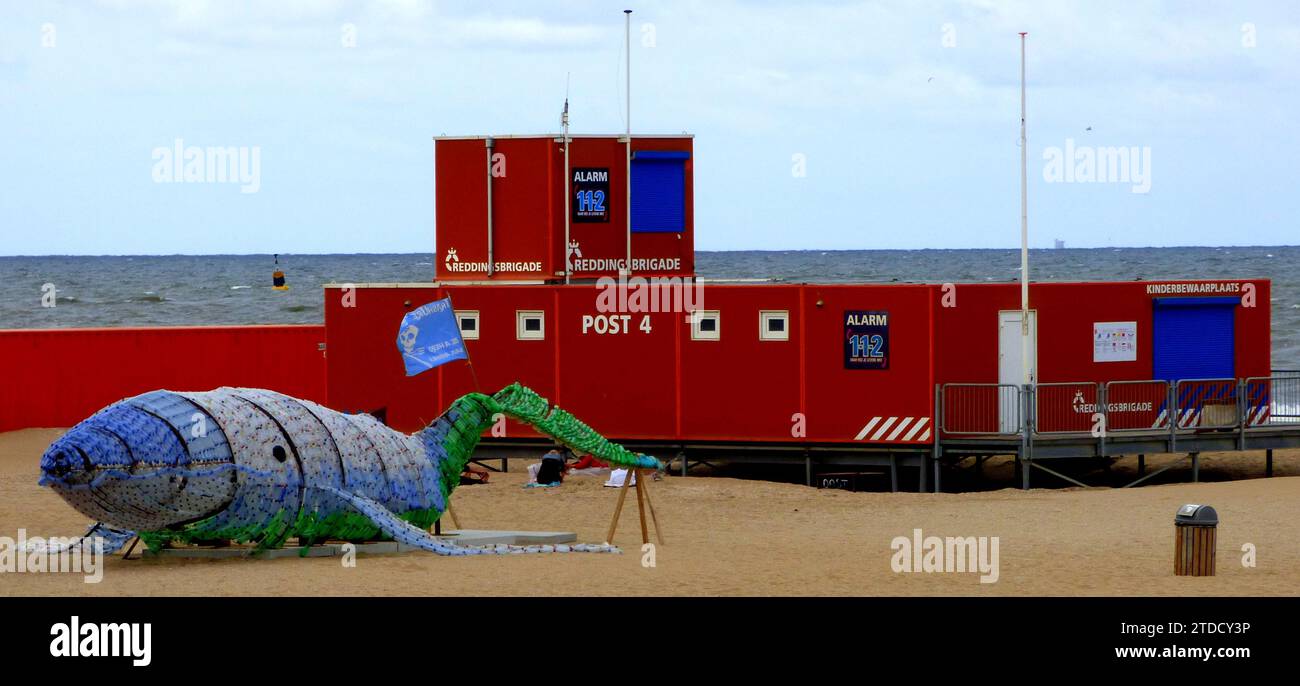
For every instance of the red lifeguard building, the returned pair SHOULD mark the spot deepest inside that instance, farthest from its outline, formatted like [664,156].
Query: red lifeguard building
[535,235]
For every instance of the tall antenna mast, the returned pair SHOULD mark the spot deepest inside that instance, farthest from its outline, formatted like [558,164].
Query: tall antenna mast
[568,179]
[1026,377]
[628,40]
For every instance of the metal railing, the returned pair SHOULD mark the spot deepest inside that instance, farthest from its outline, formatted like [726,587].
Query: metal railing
[979,408]
[1146,406]
[1206,404]
[1194,413]
[1067,407]
[1271,400]
[1136,406]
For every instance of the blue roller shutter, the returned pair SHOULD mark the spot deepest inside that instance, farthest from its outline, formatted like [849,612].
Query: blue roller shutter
[1193,338]
[658,191]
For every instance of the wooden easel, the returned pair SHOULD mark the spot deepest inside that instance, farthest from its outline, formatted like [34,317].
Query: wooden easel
[437,524]
[642,500]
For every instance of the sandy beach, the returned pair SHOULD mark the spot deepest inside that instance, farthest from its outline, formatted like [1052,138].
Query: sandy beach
[727,536]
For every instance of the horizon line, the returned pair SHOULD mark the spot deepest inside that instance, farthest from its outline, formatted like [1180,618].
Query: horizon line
[698,251]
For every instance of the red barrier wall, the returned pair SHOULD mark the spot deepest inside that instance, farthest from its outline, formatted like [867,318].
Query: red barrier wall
[968,328]
[649,380]
[58,377]
[528,208]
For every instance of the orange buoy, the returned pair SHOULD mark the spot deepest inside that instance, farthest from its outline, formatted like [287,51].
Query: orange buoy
[277,279]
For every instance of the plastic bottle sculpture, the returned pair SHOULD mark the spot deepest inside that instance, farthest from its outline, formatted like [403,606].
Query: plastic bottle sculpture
[250,465]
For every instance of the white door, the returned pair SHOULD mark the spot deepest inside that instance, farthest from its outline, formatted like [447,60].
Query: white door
[1011,367]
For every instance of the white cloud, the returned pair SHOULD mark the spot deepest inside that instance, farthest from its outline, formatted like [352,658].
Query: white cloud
[756,80]
[506,32]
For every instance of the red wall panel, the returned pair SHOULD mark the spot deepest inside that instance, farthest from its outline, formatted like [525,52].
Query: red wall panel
[1066,314]
[528,207]
[741,388]
[499,358]
[661,384]
[842,402]
[634,384]
[366,373]
[609,240]
[622,381]
[968,330]
[57,377]
[460,208]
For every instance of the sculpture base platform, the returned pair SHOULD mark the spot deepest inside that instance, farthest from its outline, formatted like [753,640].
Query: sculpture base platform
[462,537]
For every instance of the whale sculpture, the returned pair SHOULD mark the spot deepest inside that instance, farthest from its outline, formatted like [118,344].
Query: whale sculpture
[255,466]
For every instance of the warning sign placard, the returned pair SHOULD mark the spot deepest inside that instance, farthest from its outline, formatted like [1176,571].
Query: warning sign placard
[866,339]
[590,200]
[1114,342]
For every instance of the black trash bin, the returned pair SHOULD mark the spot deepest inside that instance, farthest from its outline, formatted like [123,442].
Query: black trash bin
[1195,527]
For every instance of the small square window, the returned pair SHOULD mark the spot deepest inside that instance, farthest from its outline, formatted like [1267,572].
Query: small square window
[706,325]
[774,325]
[530,325]
[468,322]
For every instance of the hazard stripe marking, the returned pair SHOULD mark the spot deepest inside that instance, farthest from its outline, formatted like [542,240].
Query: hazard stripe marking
[899,429]
[915,428]
[892,429]
[867,429]
[885,427]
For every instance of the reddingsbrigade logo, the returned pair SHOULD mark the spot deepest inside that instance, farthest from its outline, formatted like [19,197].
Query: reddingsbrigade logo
[573,256]
[452,263]
[574,252]
[1082,406]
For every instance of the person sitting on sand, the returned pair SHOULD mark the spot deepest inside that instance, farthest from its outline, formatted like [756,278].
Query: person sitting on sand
[552,469]
[474,474]
[588,462]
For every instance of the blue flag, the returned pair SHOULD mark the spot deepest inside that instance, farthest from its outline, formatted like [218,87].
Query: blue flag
[430,337]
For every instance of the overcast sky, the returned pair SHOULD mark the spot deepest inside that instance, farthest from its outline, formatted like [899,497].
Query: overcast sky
[905,116]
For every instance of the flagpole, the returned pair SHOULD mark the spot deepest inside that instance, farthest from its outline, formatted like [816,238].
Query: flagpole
[1024,228]
[568,190]
[472,373]
[628,89]
[468,361]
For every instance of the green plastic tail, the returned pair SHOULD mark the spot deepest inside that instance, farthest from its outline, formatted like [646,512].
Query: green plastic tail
[457,433]
[522,403]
